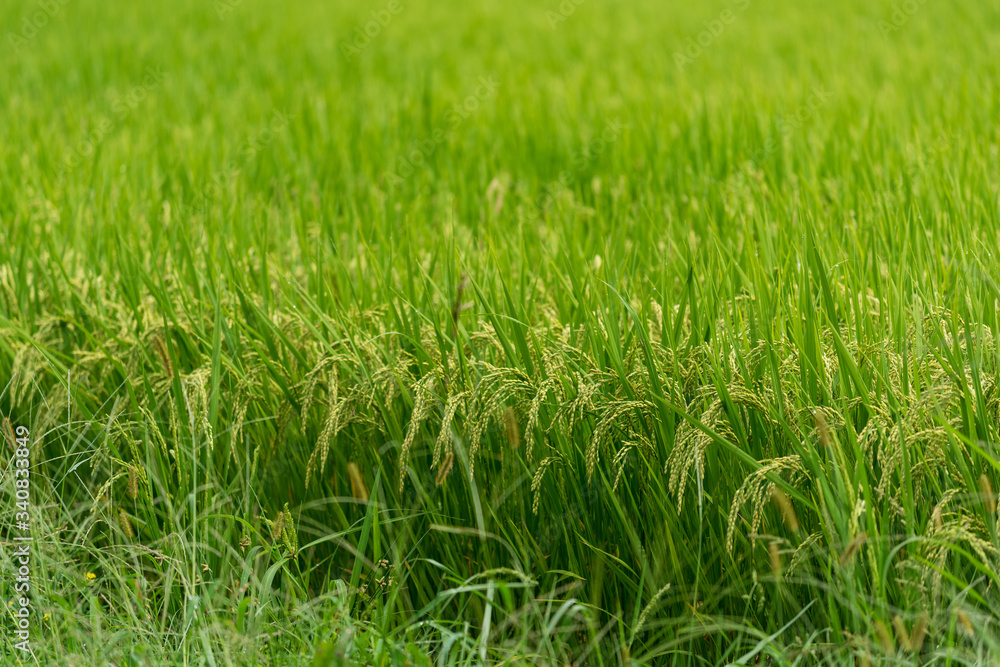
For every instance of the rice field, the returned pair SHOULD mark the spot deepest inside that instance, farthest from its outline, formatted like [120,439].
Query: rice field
[561,333]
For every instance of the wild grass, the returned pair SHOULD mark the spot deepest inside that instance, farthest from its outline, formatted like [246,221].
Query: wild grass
[361,361]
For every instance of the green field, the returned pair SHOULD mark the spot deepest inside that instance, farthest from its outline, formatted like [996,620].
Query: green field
[500,332]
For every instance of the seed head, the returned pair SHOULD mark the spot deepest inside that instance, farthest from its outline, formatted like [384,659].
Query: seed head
[966,623]
[775,554]
[278,526]
[445,469]
[133,482]
[358,488]
[885,638]
[852,548]
[989,499]
[510,424]
[904,636]
[125,524]
[822,428]
[920,631]
[787,511]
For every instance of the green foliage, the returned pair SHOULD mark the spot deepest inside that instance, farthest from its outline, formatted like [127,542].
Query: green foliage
[513,333]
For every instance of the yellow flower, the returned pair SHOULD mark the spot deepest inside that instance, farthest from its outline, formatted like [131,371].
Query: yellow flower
[91,576]
[45,617]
